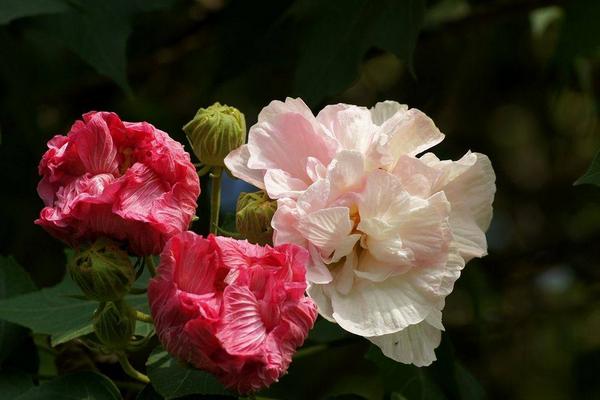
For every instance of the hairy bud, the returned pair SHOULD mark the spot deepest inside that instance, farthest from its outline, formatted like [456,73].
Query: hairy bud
[253,217]
[214,132]
[103,271]
[114,324]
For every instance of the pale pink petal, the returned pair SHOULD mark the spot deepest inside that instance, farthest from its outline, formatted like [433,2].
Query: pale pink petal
[416,176]
[270,141]
[279,184]
[385,110]
[237,163]
[413,345]
[317,271]
[350,125]
[408,133]
[469,185]
[285,222]
[346,172]
[376,270]
[379,308]
[326,228]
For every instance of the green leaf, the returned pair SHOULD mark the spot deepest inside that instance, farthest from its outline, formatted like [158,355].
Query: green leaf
[342,31]
[171,379]
[59,311]
[14,9]
[148,393]
[592,176]
[452,377]
[13,281]
[13,384]
[82,385]
[326,332]
[580,32]
[97,31]
[404,380]
[337,370]
[54,311]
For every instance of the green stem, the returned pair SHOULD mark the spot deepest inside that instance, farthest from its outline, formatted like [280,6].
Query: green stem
[140,316]
[204,170]
[310,350]
[137,345]
[215,199]
[129,370]
[150,265]
[137,290]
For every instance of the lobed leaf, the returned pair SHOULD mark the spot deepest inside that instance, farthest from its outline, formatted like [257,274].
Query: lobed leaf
[172,379]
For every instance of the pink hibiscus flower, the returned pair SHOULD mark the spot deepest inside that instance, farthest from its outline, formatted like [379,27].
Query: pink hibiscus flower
[125,180]
[231,308]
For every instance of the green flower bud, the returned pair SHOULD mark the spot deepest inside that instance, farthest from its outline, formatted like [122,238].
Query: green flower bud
[103,271]
[253,217]
[114,324]
[214,132]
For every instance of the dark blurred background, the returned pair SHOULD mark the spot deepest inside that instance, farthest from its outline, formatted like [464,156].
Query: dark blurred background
[517,80]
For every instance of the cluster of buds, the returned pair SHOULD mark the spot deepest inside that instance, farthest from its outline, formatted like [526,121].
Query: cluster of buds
[105,273]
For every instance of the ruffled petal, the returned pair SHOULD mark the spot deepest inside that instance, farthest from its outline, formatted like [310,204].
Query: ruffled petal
[413,345]
[411,132]
[243,331]
[237,163]
[469,185]
[95,146]
[385,110]
[281,128]
[326,228]
[279,184]
[379,308]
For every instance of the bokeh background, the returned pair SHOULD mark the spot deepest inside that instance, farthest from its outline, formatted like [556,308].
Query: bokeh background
[517,80]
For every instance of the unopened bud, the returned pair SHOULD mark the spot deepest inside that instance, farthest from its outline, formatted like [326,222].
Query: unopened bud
[103,271]
[214,132]
[114,324]
[253,217]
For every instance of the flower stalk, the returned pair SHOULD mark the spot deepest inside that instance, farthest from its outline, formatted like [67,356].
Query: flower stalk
[215,199]
[143,317]
[129,370]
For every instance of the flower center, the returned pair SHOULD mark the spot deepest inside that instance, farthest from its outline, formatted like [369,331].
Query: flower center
[127,157]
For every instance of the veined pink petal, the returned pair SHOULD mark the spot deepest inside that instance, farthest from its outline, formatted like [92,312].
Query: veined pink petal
[95,147]
[243,331]
[127,181]
[232,308]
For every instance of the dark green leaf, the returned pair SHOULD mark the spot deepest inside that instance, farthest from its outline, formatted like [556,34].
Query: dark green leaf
[341,32]
[97,31]
[148,393]
[82,385]
[580,32]
[339,370]
[59,311]
[405,380]
[592,175]
[454,379]
[13,281]
[13,384]
[13,9]
[54,311]
[325,332]
[171,379]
